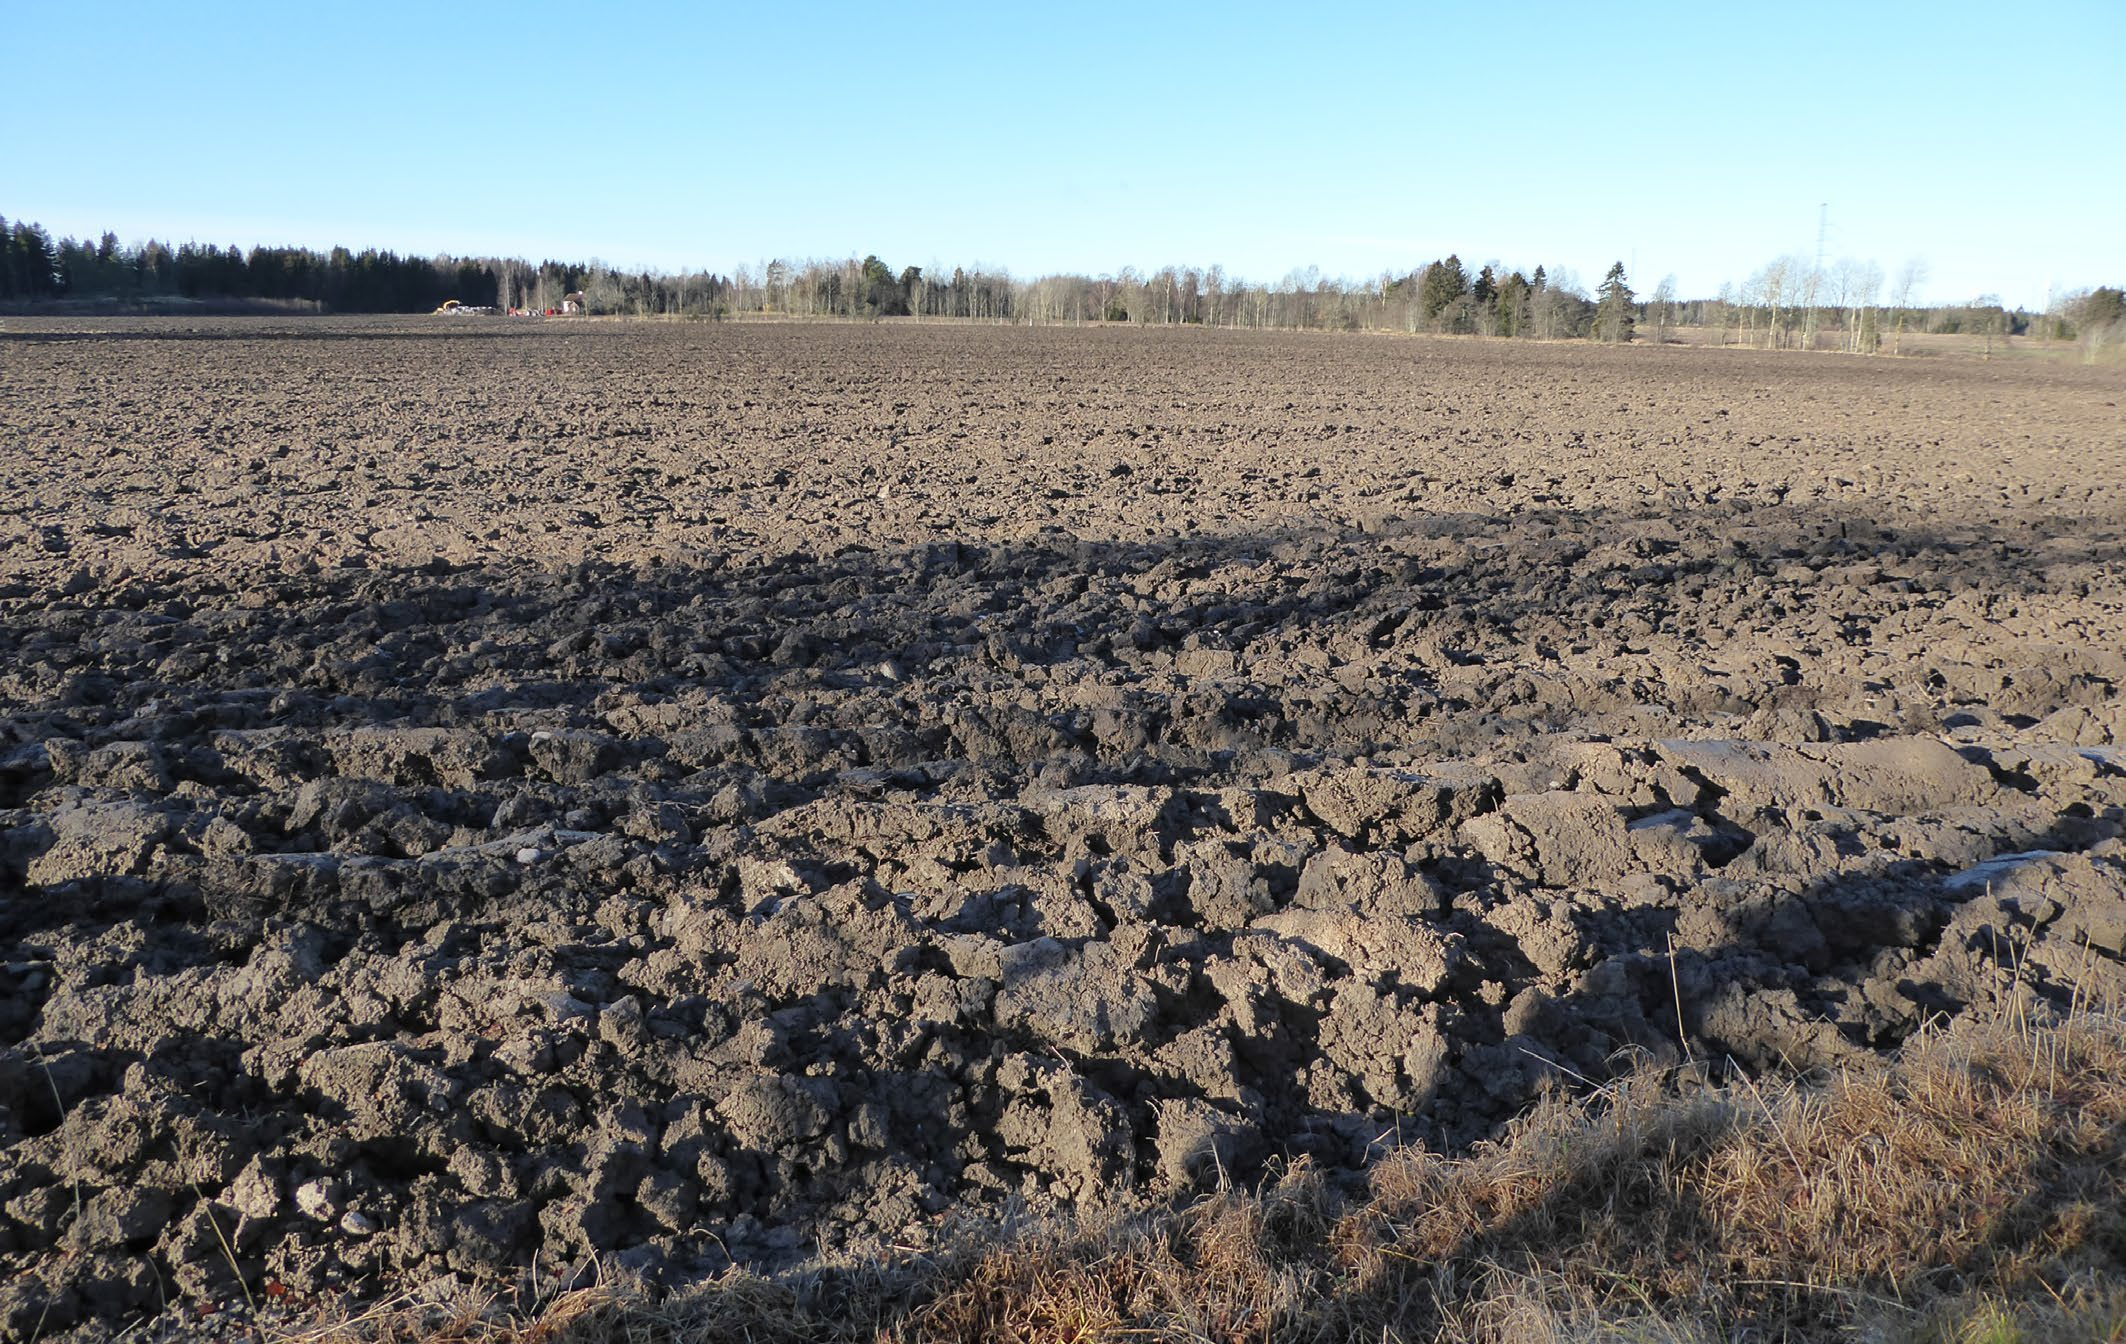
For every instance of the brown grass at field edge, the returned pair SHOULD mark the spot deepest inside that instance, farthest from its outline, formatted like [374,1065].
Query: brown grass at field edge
[1971,1189]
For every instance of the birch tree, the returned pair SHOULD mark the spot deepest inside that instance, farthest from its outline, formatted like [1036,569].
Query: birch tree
[1867,287]
[1661,308]
[1909,279]
[1772,284]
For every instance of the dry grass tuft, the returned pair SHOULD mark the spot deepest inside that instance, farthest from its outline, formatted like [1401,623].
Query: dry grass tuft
[1970,1191]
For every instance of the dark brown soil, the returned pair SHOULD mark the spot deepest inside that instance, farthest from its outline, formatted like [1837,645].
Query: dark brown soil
[690,794]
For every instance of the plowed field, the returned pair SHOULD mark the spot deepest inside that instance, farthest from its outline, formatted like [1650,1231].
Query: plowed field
[476,792]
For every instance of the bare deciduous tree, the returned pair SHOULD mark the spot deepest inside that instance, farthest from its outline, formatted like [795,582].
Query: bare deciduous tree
[1661,309]
[1810,280]
[1866,333]
[1773,284]
[1909,279]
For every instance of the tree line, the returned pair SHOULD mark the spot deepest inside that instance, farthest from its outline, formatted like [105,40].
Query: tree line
[1791,302]
[34,267]
[1440,296]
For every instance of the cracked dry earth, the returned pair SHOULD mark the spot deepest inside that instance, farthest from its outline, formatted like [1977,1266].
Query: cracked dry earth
[473,793]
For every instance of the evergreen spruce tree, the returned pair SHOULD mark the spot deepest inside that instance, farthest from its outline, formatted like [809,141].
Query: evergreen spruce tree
[1486,288]
[1613,307]
[1512,305]
[1444,282]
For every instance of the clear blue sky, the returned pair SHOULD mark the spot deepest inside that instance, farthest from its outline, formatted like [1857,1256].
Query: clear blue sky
[1693,139]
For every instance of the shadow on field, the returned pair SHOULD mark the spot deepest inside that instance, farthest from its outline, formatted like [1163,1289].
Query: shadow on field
[1248,617]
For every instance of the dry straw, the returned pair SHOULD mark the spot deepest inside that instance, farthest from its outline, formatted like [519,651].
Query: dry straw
[1970,1189]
